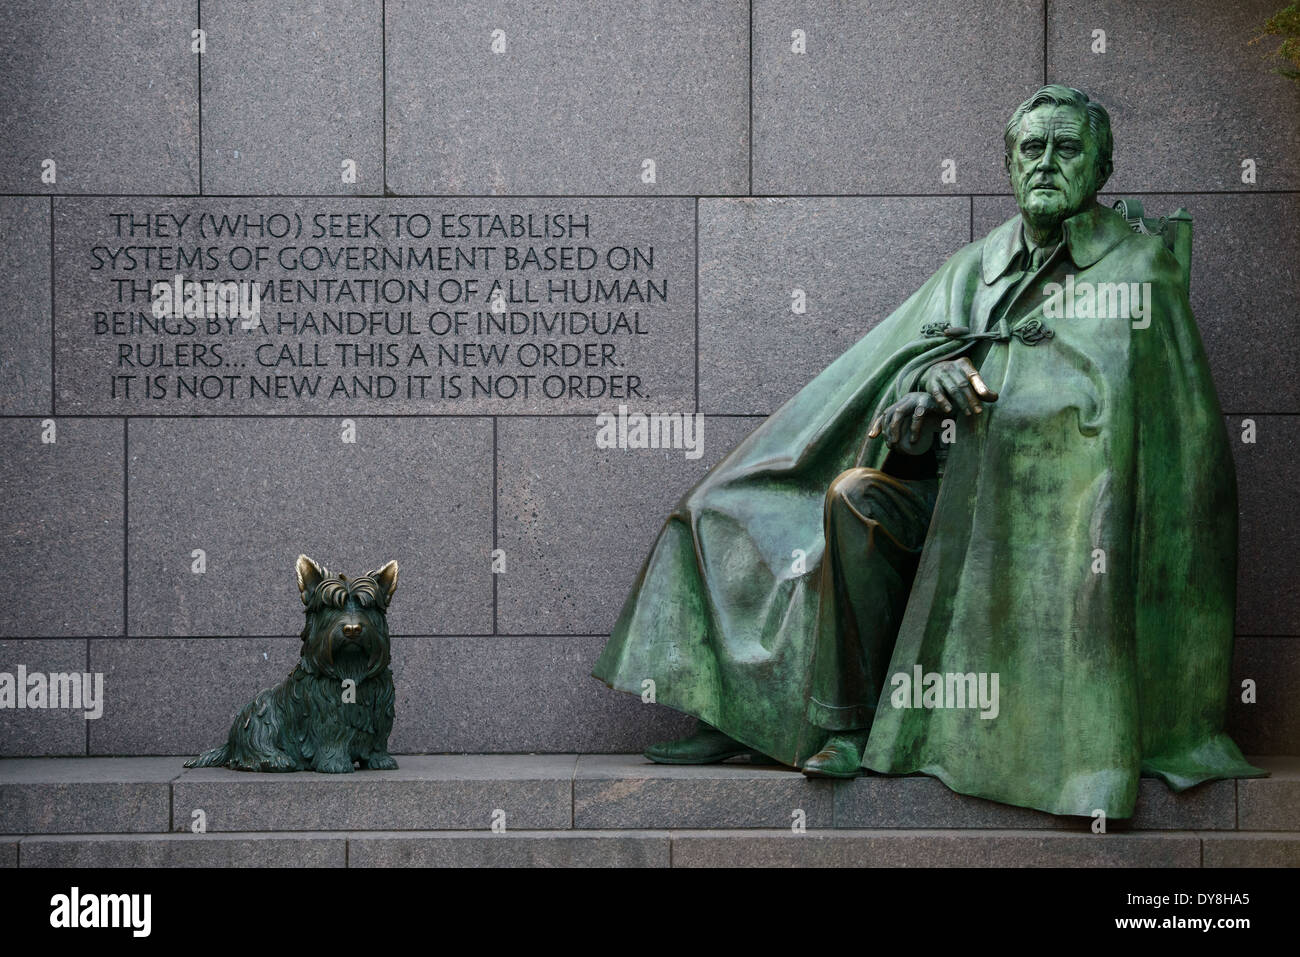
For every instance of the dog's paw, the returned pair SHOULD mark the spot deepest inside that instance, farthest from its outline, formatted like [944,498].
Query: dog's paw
[333,765]
[277,763]
[381,762]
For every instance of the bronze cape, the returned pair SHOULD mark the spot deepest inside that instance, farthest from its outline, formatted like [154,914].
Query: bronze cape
[1107,441]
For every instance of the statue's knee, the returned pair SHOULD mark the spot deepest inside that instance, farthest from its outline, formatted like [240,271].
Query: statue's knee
[853,488]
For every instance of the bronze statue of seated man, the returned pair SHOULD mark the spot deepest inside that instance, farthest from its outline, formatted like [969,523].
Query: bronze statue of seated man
[994,542]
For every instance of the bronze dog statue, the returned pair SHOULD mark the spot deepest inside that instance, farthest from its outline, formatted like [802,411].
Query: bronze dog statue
[336,708]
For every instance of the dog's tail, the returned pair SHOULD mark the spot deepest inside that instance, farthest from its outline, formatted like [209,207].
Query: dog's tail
[211,759]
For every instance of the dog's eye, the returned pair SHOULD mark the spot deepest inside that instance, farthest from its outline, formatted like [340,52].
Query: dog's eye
[334,593]
[365,590]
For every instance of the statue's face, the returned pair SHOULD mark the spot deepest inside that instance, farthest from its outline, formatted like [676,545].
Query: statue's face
[1053,164]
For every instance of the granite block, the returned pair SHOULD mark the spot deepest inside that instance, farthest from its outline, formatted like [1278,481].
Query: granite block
[628,791]
[886,92]
[921,802]
[989,212]
[1189,96]
[576,521]
[108,89]
[924,848]
[510,849]
[1251,850]
[1268,547]
[373,307]
[1270,724]
[1208,806]
[25,289]
[755,351]
[439,792]
[254,494]
[1245,292]
[480,694]
[284,108]
[579,97]
[179,696]
[61,526]
[302,849]
[497,693]
[46,732]
[85,795]
[1271,803]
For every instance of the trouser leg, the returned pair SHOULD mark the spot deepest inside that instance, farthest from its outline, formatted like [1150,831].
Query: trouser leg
[875,526]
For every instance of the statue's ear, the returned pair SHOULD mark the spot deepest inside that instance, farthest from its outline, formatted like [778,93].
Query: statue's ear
[1104,170]
[387,578]
[309,576]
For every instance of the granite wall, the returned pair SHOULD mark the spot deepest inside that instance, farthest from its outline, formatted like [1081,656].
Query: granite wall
[153,503]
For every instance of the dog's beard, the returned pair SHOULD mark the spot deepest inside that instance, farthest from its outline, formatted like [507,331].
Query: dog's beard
[346,659]
[353,661]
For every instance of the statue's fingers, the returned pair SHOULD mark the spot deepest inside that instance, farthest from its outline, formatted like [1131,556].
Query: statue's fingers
[985,393]
[957,389]
[972,375]
[981,389]
[896,427]
[940,399]
[875,427]
[918,419]
[960,386]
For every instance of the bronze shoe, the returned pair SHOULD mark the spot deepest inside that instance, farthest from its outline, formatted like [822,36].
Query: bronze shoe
[840,758]
[707,745]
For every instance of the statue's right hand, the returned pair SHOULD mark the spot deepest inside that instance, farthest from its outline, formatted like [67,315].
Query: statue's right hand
[958,381]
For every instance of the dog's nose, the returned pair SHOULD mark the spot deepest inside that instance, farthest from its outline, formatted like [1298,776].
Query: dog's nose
[351,631]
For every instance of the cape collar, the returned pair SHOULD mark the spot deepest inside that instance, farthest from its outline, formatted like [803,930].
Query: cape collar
[1089,235]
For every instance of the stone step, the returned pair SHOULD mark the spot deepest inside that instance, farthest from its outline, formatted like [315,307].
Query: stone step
[961,847]
[589,793]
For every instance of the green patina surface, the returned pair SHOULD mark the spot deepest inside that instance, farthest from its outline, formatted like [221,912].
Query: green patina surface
[1082,546]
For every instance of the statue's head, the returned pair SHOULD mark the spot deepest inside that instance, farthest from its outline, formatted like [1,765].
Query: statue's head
[346,632]
[1058,154]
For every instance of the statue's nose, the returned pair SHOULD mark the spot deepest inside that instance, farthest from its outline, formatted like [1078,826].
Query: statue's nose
[351,631]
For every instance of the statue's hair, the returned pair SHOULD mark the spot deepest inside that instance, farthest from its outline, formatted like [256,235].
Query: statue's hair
[1057,95]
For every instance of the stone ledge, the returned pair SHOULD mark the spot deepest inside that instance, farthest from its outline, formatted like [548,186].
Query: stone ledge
[86,795]
[1251,849]
[934,848]
[299,849]
[660,848]
[1272,803]
[427,792]
[47,796]
[925,802]
[511,849]
[628,791]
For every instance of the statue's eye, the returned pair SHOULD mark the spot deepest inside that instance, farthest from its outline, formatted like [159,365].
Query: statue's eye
[364,590]
[334,593]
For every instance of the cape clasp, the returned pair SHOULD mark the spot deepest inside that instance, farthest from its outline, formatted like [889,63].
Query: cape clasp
[1029,331]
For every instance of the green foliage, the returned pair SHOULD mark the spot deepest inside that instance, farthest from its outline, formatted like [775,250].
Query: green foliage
[1285,24]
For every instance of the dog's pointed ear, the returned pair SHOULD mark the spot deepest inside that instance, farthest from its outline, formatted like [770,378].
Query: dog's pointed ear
[387,578]
[309,576]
